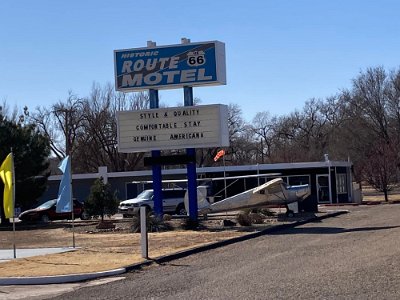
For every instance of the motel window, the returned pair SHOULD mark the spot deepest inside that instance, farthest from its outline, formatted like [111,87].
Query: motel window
[298,180]
[341,186]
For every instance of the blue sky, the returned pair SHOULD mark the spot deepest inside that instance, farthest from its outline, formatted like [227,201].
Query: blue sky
[278,53]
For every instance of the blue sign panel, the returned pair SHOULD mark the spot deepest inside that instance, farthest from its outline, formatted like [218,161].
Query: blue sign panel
[172,66]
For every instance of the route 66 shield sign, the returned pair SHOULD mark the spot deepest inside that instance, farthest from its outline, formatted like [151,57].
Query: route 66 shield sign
[196,58]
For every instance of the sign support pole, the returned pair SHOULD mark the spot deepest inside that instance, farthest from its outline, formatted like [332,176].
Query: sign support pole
[156,169]
[191,167]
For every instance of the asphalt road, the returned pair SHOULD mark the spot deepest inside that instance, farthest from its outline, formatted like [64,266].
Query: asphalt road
[353,256]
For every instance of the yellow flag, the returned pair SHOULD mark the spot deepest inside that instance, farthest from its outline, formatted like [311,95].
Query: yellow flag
[6,174]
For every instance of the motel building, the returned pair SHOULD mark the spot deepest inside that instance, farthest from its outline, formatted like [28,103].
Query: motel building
[331,182]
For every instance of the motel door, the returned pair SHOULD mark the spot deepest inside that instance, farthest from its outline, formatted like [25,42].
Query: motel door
[323,188]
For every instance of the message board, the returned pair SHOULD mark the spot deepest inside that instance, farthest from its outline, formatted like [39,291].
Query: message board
[173,66]
[173,128]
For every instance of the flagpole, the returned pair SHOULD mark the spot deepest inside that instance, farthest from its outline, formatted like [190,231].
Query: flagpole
[72,205]
[223,159]
[13,200]
[15,249]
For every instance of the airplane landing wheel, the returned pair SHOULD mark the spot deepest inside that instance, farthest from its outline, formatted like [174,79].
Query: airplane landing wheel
[290,214]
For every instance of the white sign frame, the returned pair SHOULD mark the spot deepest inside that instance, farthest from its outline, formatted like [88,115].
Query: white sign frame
[202,126]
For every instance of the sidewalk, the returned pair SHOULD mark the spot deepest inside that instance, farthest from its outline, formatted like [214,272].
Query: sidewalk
[8,254]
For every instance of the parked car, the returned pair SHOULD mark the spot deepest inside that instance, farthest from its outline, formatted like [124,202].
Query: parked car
[47,212]
[173,202]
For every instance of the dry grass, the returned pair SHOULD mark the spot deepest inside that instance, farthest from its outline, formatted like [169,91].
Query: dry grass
[96,251]
[81,261]
[371,195]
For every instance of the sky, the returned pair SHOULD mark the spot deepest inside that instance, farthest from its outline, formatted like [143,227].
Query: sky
[279,53]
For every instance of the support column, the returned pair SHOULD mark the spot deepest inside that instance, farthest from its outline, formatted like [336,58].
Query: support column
[191,167]
[156,169]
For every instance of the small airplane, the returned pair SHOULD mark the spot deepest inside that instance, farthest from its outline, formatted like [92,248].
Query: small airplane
[273,192]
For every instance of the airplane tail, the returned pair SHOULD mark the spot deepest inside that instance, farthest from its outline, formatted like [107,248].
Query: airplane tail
[202,200]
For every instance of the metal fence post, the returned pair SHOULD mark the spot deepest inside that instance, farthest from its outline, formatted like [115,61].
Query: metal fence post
[144,242]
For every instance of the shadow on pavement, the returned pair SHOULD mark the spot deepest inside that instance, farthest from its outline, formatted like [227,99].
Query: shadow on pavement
[328,230]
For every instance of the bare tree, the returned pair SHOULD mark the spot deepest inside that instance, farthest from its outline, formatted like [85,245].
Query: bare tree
[236,126]
[196,101]
[69,119]
[235,121]
[378,168]
[369,98]
[246,147]
[13,114]
[97,143]
[286,132]
[61,124]
[392,92]
[302,136]
[264,129]
[372,127]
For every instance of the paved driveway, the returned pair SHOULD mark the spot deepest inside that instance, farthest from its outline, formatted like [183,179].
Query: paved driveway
[353,256]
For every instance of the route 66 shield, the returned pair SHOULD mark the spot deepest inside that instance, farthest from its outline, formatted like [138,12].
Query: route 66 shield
[196,58]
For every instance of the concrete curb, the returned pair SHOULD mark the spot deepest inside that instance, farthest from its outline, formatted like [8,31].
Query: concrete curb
[58,278]
[159,260]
